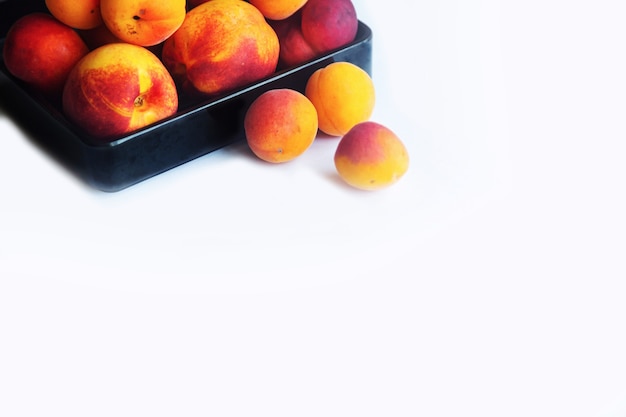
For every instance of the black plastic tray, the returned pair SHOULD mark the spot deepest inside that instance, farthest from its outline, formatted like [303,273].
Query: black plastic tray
[199,127]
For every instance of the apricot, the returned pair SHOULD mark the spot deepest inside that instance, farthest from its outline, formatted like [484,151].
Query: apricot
[343,95]
[84,14]
[329,24]
[278,9]
[221,45]
[41,51]
[371,157]
[280,125]
[143,22]
[118,88]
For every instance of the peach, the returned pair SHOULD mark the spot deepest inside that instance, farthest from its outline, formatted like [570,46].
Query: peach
[41,51]
[371,157]
[294,49]
[221,45]
[280,125]
[278,9]
[118,88]
[143,22]
[329,24]
[343,95]
[84,14]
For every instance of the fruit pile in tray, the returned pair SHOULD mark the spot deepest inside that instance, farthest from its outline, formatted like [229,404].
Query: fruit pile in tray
[115,67]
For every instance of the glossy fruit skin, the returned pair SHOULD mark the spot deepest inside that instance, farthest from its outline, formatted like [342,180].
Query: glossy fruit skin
[143,22]
[222,45]
[278,9]
[84,14]
[329,24]
[371,157]
[116,89]
[41,51]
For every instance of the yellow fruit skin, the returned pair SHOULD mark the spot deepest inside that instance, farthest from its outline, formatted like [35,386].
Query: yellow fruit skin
[83,14]
[371,157]
[343,94]
[278,9]
[143,22]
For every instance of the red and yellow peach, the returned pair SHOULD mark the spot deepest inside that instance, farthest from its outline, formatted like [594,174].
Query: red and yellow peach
[118,88]
[221,45]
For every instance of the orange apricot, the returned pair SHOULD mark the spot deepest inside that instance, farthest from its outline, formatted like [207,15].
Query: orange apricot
[143,22]
[343,95]
[280,125]
[83,14]
[278,9]
[371,157]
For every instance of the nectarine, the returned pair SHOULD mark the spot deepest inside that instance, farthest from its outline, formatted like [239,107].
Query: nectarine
[343,95]
[280,125]
[294,49]
[118,88]
[370,157]
[221,45]
[41,51]
[329,24]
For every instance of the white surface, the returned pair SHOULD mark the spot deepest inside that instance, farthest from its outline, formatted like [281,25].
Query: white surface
[489,281]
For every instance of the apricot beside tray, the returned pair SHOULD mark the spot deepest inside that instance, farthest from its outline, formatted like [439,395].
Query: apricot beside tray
[198,128]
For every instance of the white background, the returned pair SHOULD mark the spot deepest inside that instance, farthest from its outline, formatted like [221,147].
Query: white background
[489,281]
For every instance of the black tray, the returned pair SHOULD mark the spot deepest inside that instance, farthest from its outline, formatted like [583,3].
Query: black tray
[199,127]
